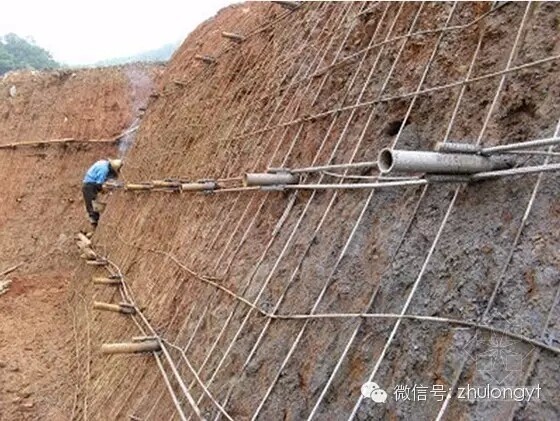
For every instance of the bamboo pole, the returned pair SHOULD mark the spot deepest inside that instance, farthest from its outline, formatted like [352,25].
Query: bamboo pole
[69,140]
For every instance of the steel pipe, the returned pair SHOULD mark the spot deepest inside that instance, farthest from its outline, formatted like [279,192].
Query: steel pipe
[81,237]
[98,262]
[521,145]
[269,179]
[106,281]
[166,184]
[355,165]
[131,347]
[354,186]
[132,186]
[206,59]
[144,338]
[199,186]
[516,171]
[290,5]
[451,147]
[118,308]
[391,160]
[233,37]
[88,254]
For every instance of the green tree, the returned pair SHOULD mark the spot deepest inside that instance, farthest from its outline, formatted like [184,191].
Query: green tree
[18,53]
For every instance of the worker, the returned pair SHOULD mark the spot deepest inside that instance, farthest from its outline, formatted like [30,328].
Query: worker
[93,181]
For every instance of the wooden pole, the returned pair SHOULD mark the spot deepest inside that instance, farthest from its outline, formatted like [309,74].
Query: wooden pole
[131,347]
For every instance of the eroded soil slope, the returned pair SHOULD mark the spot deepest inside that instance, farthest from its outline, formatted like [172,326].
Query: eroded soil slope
[41,208]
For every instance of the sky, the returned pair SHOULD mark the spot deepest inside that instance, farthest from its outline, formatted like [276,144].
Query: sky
[79,32]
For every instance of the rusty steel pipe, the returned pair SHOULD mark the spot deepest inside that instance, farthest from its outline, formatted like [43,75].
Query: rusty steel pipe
[391,160]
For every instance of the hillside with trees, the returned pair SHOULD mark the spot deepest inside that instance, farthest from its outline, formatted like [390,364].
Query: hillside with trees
[19,53]
[160,54]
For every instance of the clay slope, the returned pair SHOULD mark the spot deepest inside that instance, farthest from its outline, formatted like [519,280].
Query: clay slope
[274,101]
[41,209]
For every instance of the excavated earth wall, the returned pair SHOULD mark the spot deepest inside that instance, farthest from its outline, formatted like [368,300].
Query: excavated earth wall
[484,252]
[41,209]
[274,101]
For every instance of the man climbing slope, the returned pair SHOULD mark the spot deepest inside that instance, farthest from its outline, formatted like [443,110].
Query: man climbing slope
[93,181]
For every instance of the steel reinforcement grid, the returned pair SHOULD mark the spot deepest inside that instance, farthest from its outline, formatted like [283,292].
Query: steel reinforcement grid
[204,368]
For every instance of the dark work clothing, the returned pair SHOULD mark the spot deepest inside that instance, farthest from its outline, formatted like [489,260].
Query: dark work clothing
[90,191]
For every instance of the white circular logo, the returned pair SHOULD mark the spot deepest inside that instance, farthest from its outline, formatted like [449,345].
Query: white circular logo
[374,392]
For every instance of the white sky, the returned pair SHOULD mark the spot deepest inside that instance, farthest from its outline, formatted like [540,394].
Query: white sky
[83,32]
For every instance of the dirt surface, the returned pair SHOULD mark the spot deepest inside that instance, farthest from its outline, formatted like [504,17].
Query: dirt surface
[35,348]
[41,209]
[484,252]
